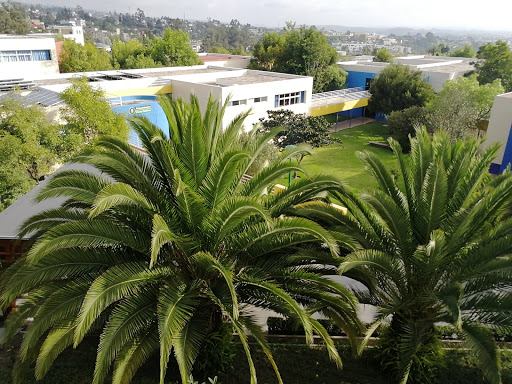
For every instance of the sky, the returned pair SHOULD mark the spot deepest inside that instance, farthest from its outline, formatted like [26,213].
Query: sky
[447,14]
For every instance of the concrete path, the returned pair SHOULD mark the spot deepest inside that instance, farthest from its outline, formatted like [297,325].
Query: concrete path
[351,123]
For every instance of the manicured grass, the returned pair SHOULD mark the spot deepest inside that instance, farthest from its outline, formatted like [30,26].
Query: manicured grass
[340,160]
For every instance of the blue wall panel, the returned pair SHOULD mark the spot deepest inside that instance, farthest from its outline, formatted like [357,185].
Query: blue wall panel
[358,79]
[507,156]
[134,105]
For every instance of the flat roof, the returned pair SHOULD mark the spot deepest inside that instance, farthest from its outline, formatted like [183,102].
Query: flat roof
[248,78]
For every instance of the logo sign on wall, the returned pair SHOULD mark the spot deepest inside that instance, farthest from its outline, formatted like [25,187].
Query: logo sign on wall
[137,110]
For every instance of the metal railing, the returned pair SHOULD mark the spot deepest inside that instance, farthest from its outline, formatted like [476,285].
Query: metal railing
[349,94]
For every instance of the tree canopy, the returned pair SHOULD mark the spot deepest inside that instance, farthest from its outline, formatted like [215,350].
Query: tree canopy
[83,58]
[30,146]
[298,128]
[466,51]
[383,56]
[398,87]
[497,64]
[161,249]
[14,18]
[89,115]
[461,105]
[302,51]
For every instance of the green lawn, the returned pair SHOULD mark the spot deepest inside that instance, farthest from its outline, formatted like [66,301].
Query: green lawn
[340,160]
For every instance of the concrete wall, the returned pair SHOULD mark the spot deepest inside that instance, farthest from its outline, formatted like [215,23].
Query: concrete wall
[269,90]
[28,69]
[499,131]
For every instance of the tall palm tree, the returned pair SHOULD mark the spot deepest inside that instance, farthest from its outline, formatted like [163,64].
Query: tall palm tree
[435,246]
[162,248]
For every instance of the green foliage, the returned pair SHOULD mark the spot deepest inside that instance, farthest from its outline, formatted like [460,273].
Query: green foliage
[14,18]
[217,353]
[88,115]
[439,50]
[461,105]
[77,58]
[234,37]
[30,146]
[404,123]
[288,326]
[298,128]
[173,49]
[383,56]
[434,247]
[497,64]
[398,87]
[303,51]
[428,360]
[466,51]
[162,248]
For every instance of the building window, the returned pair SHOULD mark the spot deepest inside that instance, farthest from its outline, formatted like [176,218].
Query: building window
[260,99]
[12,56]
[289,99]
[237,102]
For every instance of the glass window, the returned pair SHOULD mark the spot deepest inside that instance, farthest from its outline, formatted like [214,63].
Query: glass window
[289,99]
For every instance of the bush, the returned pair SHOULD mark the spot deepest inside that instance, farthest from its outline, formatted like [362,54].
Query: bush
[287,326]
[217,353]
[403,124]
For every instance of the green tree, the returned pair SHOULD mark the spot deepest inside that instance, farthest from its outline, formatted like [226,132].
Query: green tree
[297,128]
[222,50]
[466,51]
[435,247]
[398,87]
[383,56]
[267,53]
[173,49]
[461,105]
[78,58]
[303,51]
[497,64]
[161,249]
[30,146]
[88,115]
[14,18]
[404,123]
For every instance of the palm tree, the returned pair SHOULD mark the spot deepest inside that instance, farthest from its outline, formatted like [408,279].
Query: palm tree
[435,246]
[161,249]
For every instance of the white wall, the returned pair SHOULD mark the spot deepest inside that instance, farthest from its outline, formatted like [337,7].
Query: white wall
[28,69]
[269,90]
[499,124]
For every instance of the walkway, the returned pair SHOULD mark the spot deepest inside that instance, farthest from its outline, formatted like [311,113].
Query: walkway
[326,103]
[345,124]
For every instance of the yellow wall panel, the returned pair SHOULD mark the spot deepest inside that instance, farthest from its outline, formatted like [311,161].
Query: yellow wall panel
[333,108]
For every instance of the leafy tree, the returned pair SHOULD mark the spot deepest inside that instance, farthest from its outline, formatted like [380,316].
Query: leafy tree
[124,53]
[497,64]
[267,53]
[466,51]
[404,123]
[298,128]
[219,50]
[77,58]
[398,87]
[461,105]
[303,51]
[173,49]
[435,248]
[30,146]
[161,249]
[14,18]
[383,56]
[88,115]
[439,49]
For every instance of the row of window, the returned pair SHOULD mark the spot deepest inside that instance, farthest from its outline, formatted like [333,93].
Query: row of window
[244,101]
[13,56]
[280,100]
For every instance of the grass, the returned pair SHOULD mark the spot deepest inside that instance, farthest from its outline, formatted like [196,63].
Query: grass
[341,161]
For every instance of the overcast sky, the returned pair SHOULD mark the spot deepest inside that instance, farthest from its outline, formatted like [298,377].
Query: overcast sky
[466,14]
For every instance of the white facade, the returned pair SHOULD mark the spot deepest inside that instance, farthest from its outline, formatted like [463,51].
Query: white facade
[258,91]
[27,56]
[75,33]
[500,125]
